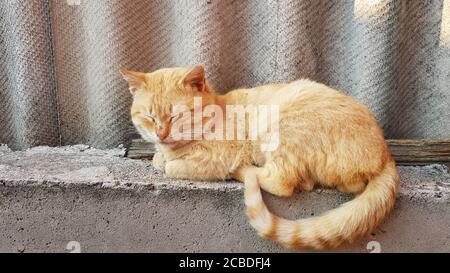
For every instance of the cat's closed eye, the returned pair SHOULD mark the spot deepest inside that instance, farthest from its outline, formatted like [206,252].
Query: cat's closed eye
[150,117]
[175,117]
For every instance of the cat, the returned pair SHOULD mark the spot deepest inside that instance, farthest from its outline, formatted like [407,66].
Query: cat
[326,138]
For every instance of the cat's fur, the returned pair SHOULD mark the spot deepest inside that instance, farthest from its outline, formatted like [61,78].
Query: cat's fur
[326,139]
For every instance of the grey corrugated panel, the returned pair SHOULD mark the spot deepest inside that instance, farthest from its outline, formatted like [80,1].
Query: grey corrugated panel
[28,107]
[387,55]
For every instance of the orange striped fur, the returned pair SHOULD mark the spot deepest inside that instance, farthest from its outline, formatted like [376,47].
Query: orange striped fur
[327,139]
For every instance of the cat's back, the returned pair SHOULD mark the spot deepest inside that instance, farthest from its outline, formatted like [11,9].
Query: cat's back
[326,100]
[306,89]
[307,100]
[302,92]
[305,96]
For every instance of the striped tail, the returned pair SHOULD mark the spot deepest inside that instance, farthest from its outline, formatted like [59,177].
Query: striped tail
[346,223]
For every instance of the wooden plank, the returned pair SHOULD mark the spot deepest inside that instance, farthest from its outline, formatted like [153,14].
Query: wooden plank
[420,152]
[404,151]
[140,149]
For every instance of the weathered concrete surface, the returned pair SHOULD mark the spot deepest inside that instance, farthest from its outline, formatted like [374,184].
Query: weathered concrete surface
[50,196]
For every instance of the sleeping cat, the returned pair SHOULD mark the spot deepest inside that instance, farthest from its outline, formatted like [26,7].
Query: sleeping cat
[325,138]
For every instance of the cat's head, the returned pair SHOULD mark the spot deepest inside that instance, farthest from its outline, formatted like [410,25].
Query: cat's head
[157,94]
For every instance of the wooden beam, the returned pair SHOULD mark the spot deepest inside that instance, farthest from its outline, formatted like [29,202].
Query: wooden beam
[420,152]
[140,149]
[405,151]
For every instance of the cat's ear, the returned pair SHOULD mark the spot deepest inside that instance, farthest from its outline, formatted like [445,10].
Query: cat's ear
[135,79]
[196,78]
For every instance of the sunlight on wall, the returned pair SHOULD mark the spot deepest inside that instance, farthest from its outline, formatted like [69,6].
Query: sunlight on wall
[371,9]
[445,25]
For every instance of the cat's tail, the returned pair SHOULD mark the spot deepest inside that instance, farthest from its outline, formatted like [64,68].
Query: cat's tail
[346,223]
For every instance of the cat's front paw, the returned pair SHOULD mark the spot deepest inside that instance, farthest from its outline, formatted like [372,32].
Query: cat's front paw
[159,162]
[174,169]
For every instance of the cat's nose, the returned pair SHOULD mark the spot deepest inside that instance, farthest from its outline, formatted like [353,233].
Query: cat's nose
[162,133]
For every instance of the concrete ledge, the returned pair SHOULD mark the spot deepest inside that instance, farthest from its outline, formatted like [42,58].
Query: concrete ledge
[108,203]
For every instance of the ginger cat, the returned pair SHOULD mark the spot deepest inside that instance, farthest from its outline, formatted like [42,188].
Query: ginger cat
[325,138]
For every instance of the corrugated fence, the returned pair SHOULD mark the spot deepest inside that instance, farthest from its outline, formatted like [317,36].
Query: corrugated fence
[59,59]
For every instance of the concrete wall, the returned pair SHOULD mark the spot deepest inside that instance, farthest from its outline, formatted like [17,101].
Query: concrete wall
[107,203]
